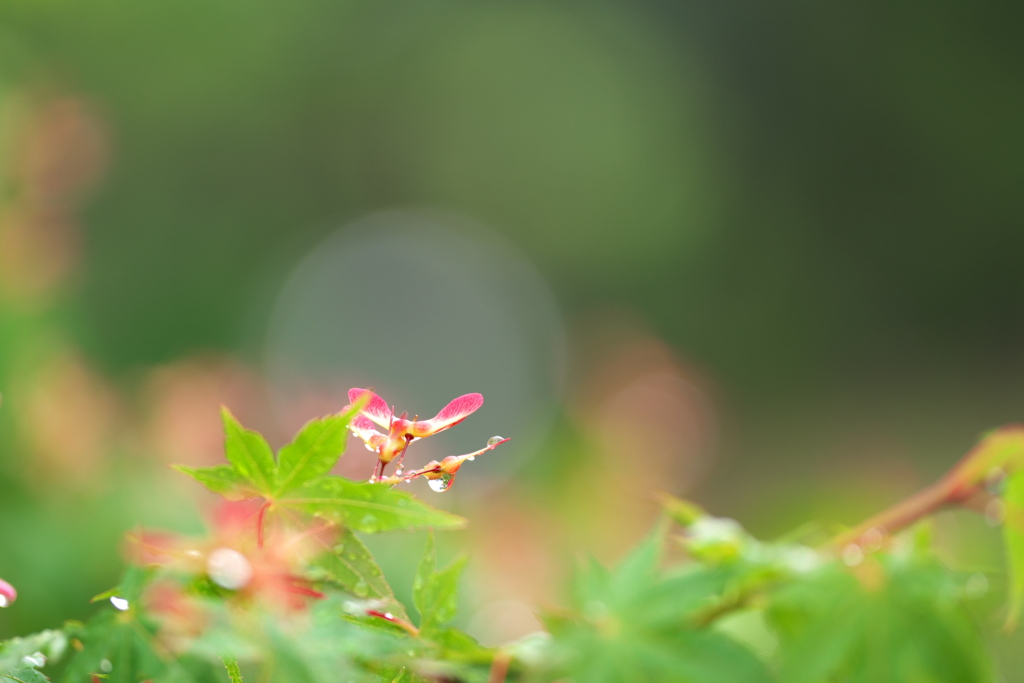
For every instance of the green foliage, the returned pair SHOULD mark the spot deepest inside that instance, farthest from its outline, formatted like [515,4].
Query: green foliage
[249,455]
[313,452]
[222,479]
[297,596]
[27,675]
[297,479]
[234,673]
[366,507]
[350,565]
[636,623]
[895,618]
[436,592]
[255,471]
[1013,535]
[51,644]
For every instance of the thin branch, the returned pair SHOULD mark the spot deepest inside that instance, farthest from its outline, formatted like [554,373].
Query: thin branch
[499,667]
[963,485]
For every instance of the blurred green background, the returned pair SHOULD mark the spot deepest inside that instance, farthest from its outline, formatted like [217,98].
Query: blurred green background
[765,256]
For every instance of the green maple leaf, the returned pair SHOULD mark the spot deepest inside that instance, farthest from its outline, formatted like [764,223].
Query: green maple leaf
[436,592]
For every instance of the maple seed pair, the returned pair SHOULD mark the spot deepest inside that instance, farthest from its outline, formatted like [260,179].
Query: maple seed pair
[402,431]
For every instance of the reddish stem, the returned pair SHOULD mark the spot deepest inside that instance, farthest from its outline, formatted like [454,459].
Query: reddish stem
[259,523]
[401,456]
[901,515]
[303,590]
[499,668]
[960,486]
[402,623]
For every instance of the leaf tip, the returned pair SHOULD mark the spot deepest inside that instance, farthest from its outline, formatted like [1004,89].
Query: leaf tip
[683,512]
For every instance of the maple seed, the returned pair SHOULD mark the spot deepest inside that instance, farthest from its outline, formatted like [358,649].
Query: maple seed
[401,431]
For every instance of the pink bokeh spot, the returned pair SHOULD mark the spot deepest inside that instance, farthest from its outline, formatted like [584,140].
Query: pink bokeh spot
[7,593]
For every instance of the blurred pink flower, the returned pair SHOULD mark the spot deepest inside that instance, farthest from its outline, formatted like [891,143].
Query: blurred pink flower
[183,401]
[58,150]
[71,417]
[265,569]
[7,593]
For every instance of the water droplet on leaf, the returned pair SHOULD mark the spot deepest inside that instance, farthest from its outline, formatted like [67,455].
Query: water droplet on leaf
[229,568]
[36,659]
[872,540]
[976,586]
[105,666]
[494,440]
[994,480]
[119,603]
[801,559]
[852,555]
[361,589]
[995,512]
[442,483]
[369,523]
[595,610]
[3,601]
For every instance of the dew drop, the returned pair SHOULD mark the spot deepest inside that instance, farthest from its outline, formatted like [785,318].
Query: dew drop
[361,589]
[389,615]
[442,483]
[36,659]
[995,512]
[106,667]
[976,586]
[493,441]
[801,559]
[872,539]
[595,610]
[471,458]
[369,523]
[994,480]
[852,555]
[119,603]
[3,601]
[229,568]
